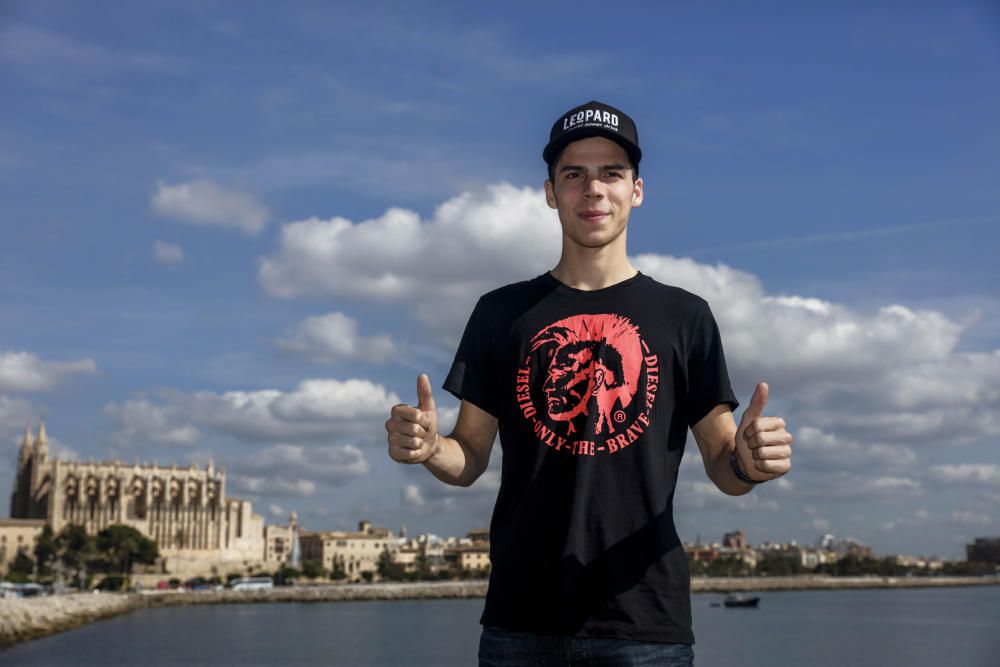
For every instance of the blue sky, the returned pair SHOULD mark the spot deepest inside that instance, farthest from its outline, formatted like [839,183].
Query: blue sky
[823,173]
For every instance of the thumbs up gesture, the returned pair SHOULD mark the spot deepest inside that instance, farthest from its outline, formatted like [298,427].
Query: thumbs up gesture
[413,434]
[763,446]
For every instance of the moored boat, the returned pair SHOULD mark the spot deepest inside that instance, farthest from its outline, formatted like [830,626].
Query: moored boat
[740,600]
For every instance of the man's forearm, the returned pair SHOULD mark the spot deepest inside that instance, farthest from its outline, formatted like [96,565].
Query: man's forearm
[721,472]
[455,462]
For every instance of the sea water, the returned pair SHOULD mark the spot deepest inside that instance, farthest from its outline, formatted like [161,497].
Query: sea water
[882,628]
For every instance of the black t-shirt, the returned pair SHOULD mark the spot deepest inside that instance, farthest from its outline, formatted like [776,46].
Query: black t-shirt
[594,392]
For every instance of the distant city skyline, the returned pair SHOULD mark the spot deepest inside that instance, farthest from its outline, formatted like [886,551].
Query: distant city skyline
[239,231]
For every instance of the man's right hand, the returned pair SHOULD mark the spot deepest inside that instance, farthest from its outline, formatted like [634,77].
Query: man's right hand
[413,434]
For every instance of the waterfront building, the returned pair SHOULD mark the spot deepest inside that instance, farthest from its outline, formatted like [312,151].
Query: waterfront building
[983,550]
[18,536]
[185,510]
[735,540]
[929,564]
[479,535]
[473,557]
[353,553]
[279,542]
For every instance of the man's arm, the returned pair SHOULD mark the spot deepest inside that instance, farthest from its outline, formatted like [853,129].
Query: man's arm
[763,446]
[458,459]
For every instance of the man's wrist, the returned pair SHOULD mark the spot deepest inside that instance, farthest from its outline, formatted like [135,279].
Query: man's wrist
[734,463]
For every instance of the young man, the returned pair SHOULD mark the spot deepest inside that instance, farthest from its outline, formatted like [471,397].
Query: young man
[592,372]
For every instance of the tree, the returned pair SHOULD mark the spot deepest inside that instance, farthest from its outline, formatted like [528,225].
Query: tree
[389,568]
[21,568]
[45,550]
[285,575]
[728,566]
[76,550]
[121,546]
[312,569]
[697,567]
[779,565]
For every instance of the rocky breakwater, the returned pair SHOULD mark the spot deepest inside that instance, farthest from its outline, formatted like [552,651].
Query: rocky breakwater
[29,618]
[336,593]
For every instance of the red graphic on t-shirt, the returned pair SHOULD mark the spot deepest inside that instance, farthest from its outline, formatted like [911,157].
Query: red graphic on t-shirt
[588,384]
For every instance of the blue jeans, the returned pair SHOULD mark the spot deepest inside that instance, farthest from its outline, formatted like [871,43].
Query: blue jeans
[502,648]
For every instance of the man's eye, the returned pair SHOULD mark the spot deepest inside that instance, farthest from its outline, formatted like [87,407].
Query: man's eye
[571,174]
[613,174]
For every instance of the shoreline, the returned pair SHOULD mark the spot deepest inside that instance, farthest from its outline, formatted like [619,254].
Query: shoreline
[33,618]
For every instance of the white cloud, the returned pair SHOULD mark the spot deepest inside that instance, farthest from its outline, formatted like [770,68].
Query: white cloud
[412,496]
[24,372]
[272,486]
[167,254]
[139,422]
[431,497]
[844,486]
[798,339]
[473,243]
[316,409]
[966,473]
[276,510]
[205,203]
[832,451]
[59,450]
[333,337]
[704,495]
[326,464]
[15,415]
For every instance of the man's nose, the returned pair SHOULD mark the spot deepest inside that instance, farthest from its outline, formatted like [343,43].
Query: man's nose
[594,187]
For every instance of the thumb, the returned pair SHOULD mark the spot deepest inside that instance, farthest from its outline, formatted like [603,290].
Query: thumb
[424,397]
[757,403]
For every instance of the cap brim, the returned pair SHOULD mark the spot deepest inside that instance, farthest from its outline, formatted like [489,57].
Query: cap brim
[556,146]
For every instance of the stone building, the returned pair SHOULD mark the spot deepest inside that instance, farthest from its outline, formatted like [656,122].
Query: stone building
[352,552]
[184,509]
[18,536]
[473,557]
[734,540]
[983,550]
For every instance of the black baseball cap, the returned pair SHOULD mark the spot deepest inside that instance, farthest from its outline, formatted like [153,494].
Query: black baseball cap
[593,119]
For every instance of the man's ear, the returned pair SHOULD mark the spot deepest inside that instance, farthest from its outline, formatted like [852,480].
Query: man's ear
[550,194]
[598,380]
[637,193]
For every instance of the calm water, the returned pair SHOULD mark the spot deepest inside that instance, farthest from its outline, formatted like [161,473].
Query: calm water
[883,628]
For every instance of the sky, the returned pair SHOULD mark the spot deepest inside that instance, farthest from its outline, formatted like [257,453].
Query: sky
[238,231]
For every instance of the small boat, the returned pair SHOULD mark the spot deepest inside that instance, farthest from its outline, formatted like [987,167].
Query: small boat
[740,600]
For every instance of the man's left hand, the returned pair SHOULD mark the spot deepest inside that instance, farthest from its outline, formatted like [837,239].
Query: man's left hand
[763,446]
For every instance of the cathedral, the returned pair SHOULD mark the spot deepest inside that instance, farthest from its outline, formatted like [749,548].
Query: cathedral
[185,510]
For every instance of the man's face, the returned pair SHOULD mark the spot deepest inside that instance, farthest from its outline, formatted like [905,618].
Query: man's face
[570,381]
[594,191]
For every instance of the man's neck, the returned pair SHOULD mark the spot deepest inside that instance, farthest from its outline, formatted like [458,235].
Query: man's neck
[592,271]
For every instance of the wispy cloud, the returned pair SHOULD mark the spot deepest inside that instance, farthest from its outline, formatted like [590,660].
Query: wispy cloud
[61,55]
[24,372]
[167,254]
[208,204]
[847,237]
[334,337]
